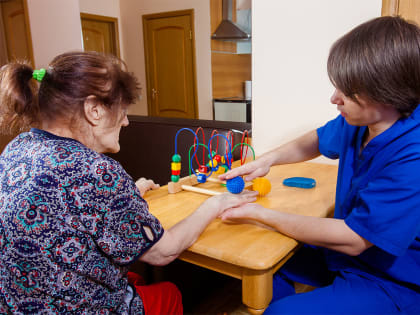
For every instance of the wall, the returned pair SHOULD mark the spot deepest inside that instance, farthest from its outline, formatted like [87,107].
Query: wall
[290,43]
[55,28]
[132,41]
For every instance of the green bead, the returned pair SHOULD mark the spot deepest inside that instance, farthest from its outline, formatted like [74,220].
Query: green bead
[176,158]
[174,178]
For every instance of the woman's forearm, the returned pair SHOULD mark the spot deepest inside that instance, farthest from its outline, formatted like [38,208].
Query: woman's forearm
[326,232]
[301,149]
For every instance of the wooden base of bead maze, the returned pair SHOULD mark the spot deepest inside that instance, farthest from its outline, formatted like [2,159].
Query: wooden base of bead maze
[188,183]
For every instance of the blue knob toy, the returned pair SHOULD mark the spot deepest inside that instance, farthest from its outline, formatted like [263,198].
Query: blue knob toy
[235,185]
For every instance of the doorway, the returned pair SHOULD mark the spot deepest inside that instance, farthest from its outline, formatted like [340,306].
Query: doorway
[169,49]
[16,41]
[100,33]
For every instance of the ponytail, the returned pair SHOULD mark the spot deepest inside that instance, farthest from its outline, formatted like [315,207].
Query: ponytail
[18,98]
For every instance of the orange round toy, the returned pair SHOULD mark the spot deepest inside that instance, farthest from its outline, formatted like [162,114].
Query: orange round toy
[262,185]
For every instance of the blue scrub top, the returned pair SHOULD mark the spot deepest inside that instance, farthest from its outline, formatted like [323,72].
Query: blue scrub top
[378,196]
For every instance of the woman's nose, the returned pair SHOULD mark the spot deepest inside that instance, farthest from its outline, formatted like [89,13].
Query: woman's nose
[336,97]
[125,121]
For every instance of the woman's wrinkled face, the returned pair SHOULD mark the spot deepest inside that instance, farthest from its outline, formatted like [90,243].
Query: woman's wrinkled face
[108,134]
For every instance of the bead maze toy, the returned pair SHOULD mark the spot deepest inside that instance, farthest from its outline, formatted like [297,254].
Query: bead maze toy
[217,164]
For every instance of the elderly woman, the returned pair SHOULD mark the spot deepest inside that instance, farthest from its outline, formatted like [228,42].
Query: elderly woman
[71,219]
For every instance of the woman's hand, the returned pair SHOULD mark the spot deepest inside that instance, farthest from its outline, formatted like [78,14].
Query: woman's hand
[247,211]
[257,168]
[228,200]
[144,185]
[183,234]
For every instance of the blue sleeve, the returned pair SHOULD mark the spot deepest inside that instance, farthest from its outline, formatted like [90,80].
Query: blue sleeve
[387,212]
[330,136]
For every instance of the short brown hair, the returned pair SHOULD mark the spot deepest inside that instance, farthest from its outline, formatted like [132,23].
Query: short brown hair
[69,80]
[379,59]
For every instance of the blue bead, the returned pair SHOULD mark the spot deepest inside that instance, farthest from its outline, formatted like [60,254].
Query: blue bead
[201,178]
[235,185]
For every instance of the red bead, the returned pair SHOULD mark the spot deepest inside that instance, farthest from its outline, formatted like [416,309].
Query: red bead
[218,158]
[203,169]
[176,172]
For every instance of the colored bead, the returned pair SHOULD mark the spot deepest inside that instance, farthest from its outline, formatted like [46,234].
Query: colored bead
[174,178]
[175,166]
[262,185]
[213,163]
[176,158]
[214,169]
[201,178]
[222,159]
[203,169]
[220,170]
[235,185]
[217,158]
[212,155]
[176,172]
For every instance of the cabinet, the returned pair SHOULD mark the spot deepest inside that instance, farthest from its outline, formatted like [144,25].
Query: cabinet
[229,69]
[232,109]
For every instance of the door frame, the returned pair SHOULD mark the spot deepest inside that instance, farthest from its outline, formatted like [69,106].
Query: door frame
[102,18]
[146,18]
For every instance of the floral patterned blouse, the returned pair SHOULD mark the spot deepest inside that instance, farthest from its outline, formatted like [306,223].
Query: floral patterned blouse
[71,222]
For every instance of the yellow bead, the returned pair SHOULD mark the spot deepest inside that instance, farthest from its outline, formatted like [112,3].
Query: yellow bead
[222,159]
[220,170]
[262,185]
[175,166]
[214,163]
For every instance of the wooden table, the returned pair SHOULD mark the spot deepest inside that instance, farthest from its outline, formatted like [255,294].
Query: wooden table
[246,251]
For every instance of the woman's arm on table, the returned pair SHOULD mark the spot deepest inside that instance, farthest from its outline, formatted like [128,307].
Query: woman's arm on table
[326,232]
[301,149]
[182,235]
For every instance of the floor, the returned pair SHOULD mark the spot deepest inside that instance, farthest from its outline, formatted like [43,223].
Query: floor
[227,300]
[203,291]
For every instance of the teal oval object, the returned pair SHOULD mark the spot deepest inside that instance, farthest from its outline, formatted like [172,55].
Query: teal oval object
[176,158]
[175,178]
[300,182]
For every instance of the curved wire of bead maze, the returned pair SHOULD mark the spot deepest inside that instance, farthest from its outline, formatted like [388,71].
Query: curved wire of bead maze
[234,185]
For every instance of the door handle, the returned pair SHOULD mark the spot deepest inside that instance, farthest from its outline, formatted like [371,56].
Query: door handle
[154,93]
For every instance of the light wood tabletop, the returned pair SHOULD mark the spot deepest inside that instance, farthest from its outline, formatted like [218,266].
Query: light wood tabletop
[247,251]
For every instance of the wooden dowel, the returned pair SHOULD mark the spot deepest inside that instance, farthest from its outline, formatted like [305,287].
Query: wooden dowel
[201,190]
[215,180]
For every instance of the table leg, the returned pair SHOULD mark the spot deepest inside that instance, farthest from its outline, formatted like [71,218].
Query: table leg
[257,289]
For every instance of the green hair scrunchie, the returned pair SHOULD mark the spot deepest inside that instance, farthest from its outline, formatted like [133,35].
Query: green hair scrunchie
[39,74]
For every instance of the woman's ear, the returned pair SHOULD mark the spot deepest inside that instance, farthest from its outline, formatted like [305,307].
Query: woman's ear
[93,110]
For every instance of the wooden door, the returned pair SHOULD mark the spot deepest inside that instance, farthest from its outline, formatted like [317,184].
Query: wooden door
[16,42]
[16,30]
[408,9]
[100,33]
[170,64]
